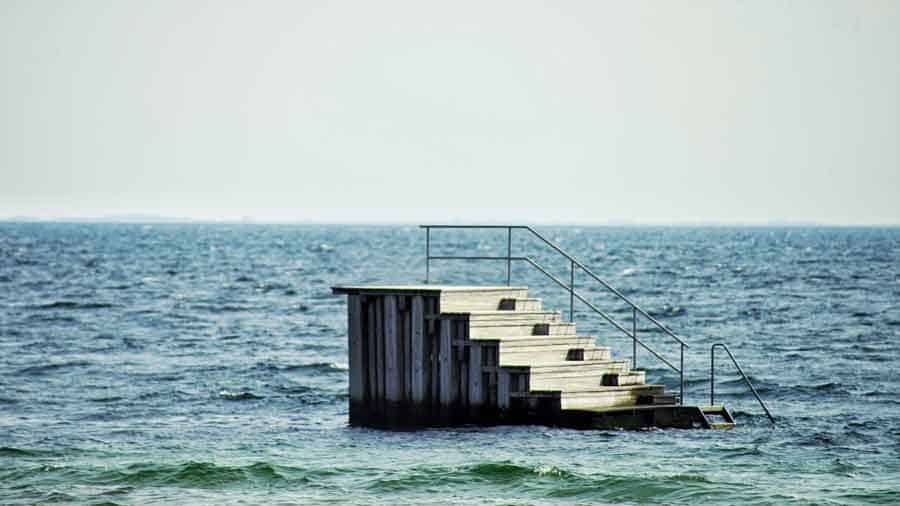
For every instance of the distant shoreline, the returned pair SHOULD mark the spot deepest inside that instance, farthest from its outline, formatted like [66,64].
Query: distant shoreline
[151,220]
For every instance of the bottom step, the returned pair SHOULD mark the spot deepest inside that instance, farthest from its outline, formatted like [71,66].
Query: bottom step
[637,417]
[717,417]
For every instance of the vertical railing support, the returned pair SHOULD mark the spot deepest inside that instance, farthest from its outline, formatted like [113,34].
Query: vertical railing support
[712,376]
[681,373]
[427,254]
[508,256]
[572,292]
[633,338]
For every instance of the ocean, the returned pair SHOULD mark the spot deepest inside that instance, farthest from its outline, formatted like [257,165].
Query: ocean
[207,364]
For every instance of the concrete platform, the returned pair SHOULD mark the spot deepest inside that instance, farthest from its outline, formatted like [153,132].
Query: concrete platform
[426,355]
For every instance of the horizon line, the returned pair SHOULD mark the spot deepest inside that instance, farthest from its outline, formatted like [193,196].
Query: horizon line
[175,220]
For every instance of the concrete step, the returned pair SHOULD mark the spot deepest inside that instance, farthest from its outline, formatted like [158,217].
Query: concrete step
[597,398]
[536,355]
[567,383]
[606,397]
[556,375]
[573,381]
[619,379]
[718,417]
[524,304]
[464,299]
[584,383]
[581,368]
[518,317]
[510,342]
[504,329]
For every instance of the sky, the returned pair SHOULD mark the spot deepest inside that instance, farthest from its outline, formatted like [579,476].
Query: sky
[420,111]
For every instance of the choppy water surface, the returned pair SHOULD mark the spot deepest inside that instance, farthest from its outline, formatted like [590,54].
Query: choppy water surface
[207,364]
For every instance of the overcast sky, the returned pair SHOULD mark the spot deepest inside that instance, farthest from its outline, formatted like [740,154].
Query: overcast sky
[532,112]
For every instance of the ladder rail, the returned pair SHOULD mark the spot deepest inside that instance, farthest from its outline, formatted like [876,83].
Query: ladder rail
[712,378]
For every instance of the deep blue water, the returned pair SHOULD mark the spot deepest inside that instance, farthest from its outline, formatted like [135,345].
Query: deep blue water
[161,364]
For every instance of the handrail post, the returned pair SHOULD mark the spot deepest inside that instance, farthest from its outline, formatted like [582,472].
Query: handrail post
[572,292]
[681,372]
[508,256]
[427,254]
[712,375]
[633,338]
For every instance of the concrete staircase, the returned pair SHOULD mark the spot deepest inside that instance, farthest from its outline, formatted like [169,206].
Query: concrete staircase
[547,362]
[454,355]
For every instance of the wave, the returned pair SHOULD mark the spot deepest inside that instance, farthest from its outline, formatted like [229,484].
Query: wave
[242,395]
[203,475]
[9,451]
[490,472]
[321,367]
[49,368]
[505,471]
[268,287]
[224,308]
[668,311]
[311,396]
[6,451]
[68,304]
[551,481]
[112,398]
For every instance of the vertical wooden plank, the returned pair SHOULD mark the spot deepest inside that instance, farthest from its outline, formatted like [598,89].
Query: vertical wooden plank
[379,343]
[371,351]
[392,371]
[406,345]
[418,349]
[492,400]
[455,363]
[445,363]
[355,348]
[463,383]
[502,389]
[475,396]
[433,342]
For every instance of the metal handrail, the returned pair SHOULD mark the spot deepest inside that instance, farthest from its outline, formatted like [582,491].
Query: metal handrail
[599,311]
[712,378]
[573,294]
[573,260]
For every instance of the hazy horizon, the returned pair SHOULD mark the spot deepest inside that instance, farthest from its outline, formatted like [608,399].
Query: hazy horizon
[248,220]
[408,112]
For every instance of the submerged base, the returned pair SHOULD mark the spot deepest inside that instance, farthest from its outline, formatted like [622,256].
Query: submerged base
[398,416]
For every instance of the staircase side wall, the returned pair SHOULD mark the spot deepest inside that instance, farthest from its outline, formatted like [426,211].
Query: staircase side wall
[410,366]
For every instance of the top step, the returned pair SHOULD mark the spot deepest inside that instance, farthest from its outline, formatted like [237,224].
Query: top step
[453,299]
[482,299]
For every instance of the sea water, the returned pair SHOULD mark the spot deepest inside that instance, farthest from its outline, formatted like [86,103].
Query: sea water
[207,364]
